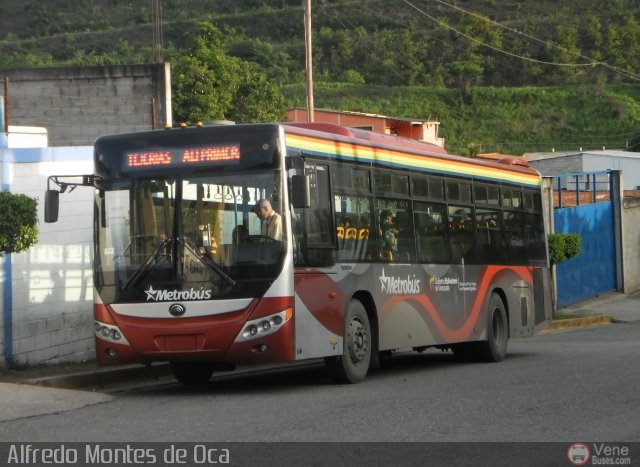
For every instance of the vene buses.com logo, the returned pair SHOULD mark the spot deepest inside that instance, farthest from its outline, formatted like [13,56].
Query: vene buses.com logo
[578,454]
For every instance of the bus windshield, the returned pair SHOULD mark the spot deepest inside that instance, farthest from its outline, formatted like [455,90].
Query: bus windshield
[193,233]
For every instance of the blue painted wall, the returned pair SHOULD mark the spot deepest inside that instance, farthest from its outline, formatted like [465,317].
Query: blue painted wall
[594,271]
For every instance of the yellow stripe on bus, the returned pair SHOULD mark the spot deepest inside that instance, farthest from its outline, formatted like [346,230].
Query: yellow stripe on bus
[366,153]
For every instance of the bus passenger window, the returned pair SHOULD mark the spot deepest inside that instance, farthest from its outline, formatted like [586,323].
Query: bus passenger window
[395,230]
[491,246]
[406,238]
[514,237]
[353,227]
[463,240]
[312,227]
[431,233]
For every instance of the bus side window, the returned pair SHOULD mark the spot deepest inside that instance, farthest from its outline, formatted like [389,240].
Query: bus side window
[463,239]
[431,233]
[396,238]
[312,227]
[406,237]
[491,246]
[513,227]
[353,227]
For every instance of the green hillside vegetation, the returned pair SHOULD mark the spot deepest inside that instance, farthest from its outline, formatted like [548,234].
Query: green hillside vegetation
[508,120]
[418,59]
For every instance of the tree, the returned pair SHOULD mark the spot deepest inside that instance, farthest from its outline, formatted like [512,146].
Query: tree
[208,84]
[563,247]
[256,99]
[18,223]
[465,73]
[473,149]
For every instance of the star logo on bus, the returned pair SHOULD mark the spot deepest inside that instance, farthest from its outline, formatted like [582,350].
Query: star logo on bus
[151,294]
[384,282]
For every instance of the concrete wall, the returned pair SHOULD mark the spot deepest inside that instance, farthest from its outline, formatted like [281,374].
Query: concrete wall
[627,162]
[551,166]
[51,285]
[78,104]
[631,244]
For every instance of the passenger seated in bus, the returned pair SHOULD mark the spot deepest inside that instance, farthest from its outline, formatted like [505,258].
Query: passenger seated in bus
[271,220]
[388,236]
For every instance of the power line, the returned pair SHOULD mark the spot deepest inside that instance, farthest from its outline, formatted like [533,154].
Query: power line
[473,39]
[593,61]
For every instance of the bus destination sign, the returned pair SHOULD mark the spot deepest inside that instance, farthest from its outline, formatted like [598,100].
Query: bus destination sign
[180,157]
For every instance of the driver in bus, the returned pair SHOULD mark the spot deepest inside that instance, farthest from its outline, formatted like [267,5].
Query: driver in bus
[271,220]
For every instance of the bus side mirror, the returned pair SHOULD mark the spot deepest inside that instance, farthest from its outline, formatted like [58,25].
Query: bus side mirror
[300,191]
[51,205]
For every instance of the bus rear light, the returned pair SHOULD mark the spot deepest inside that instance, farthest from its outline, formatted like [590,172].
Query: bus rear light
[264,326]
[110,333]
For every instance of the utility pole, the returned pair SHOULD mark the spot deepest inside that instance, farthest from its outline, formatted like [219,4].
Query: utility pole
[6,106]
[157,43]
[309,61]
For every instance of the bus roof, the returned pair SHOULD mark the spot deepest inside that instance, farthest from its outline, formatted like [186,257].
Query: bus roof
[351,144]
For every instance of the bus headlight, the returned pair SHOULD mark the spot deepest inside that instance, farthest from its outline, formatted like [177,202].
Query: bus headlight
[264,326]
[110,333]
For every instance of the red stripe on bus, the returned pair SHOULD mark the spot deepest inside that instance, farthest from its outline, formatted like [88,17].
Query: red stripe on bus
[461,334]
[323,298]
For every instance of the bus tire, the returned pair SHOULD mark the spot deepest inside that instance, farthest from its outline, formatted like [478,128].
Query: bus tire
[494,348]
[353,365]
[192,373]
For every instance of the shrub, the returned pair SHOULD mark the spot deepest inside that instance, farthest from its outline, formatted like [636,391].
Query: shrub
[18,222]
[563,247]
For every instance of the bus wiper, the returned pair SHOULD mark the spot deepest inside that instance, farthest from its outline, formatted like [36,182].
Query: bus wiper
[188,243]
[147,264]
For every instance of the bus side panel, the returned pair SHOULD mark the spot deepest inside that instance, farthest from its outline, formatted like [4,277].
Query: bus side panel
[319,313]
[437,305]
[416,305]
[425,305]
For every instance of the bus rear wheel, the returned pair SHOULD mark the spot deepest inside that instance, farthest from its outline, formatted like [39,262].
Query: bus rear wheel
[192,373]
[494,348]
[353,365]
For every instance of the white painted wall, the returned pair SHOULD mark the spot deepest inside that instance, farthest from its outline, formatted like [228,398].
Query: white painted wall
[52,287]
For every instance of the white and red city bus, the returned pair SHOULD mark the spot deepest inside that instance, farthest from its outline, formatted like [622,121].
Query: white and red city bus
[386,244]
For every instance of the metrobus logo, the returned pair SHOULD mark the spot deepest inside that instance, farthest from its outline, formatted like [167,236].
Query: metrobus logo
[170,295]
[399,285]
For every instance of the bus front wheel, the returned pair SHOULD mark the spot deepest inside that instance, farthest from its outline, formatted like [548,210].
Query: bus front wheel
[353,365]
[494,348]
[192,373]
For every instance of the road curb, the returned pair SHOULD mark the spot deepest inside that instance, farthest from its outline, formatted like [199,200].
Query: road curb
[560,324]
[102,378]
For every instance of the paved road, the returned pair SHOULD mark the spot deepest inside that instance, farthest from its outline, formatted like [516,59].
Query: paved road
[564,386]
[19,401]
